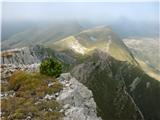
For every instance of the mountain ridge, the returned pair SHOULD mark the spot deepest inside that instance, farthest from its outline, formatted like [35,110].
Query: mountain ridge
[106,76]
[104,38]
[100,60]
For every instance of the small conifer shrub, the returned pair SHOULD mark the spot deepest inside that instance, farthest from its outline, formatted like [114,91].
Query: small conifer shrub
[51,67]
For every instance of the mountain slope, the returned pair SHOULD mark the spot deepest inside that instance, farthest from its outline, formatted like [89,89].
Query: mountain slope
[146,51]
[81,45]
[121,90]
[102,62]
[96,38]
[99,74]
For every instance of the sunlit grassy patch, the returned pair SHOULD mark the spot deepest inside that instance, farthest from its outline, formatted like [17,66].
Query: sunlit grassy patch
[30,88]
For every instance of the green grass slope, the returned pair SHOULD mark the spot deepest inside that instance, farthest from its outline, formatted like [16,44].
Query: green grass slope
[121,90]
[100,37]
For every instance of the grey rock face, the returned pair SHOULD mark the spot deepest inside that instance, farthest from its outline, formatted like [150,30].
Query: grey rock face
[32,55]
[8,69]
[25,55]
[25,59]
[76,99]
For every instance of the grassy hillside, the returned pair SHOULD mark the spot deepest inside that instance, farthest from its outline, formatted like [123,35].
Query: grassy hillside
[121,90]
[26,97]
[145,49]
[146,52]
[100,37]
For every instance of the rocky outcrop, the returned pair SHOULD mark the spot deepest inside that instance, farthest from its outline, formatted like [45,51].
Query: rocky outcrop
[8,69]
[29,59]
[25,55]
[76,99]
[33,54]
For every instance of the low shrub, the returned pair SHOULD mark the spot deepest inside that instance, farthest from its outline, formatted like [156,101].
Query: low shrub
[51,67]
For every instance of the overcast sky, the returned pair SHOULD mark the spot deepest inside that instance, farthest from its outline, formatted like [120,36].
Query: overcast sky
[36,11]
[77,0]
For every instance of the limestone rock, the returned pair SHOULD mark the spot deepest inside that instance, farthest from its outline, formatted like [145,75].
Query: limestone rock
[33,54]
[77,100]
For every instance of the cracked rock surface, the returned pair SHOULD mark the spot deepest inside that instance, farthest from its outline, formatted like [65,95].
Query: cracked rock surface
[76,99]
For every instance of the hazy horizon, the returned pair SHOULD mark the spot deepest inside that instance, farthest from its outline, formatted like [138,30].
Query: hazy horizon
[126,18]
[96,12]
